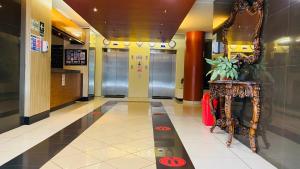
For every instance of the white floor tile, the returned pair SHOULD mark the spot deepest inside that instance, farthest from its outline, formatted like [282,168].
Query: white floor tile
[148,154]
[107,153]
[75,161]
[99,166]
[50,165]
[88,144]
[222,163]
[130,162]
[153,166]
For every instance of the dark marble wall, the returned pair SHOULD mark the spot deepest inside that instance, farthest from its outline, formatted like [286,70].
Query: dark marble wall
[10,23]
[279,73]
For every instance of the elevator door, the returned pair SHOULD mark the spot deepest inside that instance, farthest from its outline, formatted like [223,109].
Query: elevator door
[115,72]
[162,73]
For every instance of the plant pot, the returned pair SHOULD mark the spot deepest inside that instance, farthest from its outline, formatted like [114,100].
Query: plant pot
[225,79]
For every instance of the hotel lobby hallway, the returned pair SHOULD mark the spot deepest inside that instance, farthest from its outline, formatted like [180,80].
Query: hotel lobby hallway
[111,134]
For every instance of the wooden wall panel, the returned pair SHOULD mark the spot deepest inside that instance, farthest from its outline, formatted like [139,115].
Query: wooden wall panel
[36,66]
[61,95]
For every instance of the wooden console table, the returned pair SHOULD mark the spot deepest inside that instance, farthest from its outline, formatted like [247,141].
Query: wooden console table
[230,89]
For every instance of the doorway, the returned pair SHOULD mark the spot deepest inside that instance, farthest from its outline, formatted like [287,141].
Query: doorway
[115,73]
[162,74]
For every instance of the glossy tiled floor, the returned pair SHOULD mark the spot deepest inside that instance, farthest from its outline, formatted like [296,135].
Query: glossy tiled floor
[123,138]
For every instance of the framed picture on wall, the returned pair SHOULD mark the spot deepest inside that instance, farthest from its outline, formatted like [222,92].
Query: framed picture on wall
[75,57]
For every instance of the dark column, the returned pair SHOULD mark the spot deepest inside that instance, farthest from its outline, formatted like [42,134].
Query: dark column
[194,66]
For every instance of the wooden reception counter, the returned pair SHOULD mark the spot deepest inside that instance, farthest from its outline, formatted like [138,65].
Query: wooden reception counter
[66,87]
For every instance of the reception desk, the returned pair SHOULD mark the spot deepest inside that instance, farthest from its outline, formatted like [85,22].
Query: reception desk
[66,87]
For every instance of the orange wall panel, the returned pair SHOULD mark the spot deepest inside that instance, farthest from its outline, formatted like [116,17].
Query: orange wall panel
[194,66]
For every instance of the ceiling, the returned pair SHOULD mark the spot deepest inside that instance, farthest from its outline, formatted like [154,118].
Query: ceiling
[134,20]
[69,13]
[221,12]
[200,17]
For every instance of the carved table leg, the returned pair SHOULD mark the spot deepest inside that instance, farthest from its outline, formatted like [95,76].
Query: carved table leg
[229,119]
[255,118]
[213,111]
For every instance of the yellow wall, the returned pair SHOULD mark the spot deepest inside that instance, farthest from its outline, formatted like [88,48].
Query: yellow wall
[37,72]
[138,82]
[240,49]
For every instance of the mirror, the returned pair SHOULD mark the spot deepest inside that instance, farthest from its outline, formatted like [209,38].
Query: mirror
[243,30]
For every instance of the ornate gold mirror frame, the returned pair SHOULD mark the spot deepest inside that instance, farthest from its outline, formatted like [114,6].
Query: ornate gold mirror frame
[252,7]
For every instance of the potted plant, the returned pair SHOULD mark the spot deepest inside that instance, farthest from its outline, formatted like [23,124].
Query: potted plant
[224,68]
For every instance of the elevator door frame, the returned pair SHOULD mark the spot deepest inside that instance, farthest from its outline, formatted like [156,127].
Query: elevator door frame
[150,87]
[104,50]
[92,70]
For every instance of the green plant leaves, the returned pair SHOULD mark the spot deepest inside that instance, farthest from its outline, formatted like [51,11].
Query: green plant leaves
[209,72]
[214,76]
[223,67]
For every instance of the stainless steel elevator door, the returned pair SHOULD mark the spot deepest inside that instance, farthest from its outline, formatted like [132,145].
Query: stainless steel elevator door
[162,73]
[115,72]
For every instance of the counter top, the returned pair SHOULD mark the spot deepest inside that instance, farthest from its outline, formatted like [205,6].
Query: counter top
[57,70]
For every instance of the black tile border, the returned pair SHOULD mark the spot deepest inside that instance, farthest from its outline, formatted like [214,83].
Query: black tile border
[167,143]
[33,119]
[41,153]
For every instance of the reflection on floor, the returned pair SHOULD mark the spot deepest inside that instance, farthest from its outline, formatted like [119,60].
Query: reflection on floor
[123,138]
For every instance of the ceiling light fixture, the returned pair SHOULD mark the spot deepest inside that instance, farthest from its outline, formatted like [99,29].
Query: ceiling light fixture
[283,40]
[1,5]
[95,9]
[165,11]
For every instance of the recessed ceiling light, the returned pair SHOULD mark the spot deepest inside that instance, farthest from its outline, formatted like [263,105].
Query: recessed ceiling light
[1,6]
[165,11]
[95,9]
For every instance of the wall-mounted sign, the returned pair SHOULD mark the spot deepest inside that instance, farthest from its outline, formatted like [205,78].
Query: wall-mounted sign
[35,25]
[139,60]
[36,43]
[75,57]
[42,29]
